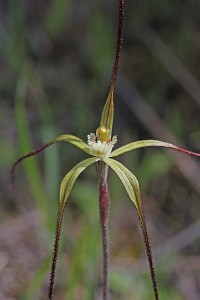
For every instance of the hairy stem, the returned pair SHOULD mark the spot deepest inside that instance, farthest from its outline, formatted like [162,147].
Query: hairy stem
[102,171]
[55,252]
[149,254]
[119,43]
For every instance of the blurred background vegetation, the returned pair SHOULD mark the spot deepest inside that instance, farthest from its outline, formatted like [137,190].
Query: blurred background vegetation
[56,60]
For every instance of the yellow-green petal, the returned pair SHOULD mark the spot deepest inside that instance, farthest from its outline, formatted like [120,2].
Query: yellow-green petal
[65,189]
[108,112]
[74,140]
[61,138]
[129,181]
[145,143]
[131,185]
[70,178]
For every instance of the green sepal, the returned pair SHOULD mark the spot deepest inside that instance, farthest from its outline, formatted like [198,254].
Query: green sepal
[65,189]
[143,144]
[108,112]
[61,138]
[131,185]
[72,140]
[70,178]
[129,181]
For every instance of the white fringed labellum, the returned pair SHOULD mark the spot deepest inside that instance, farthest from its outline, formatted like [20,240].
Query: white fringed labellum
[100,145]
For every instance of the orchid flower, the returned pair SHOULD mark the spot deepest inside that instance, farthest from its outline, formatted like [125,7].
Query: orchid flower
[100,147]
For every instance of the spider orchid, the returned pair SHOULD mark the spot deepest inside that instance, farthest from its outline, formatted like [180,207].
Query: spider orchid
[99,146]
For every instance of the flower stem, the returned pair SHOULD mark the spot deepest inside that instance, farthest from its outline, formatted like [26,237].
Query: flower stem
[102,172]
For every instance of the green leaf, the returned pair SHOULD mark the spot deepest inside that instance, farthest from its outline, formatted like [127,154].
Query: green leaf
[70,178]
[31,168]
[108,112]
[149,143]
[129,181]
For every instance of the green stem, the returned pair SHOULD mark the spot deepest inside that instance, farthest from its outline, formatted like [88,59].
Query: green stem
[102,171]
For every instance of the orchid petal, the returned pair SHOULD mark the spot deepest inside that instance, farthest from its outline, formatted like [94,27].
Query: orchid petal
[129,181]
[61,138]
[70,178]
[74,140]
[108,112]
[149,143]
[131,185]
[65,189]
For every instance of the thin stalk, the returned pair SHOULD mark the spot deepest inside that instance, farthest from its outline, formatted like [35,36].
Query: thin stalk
[102,172]
[119,44]
[55,251]
[149,254]
[32,153]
